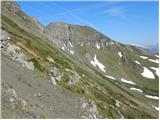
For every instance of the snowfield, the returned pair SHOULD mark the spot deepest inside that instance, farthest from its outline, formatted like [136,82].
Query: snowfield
[111,77]
[155,61]
[152,97]
[136,89]
[95,63]
[143,57]
[127,81]
[147,73]
[137,62]
[157,70]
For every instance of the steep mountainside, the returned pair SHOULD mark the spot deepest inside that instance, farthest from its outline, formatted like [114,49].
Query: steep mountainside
[105,79]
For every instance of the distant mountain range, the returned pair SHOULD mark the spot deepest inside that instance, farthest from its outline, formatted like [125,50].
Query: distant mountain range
[153,48]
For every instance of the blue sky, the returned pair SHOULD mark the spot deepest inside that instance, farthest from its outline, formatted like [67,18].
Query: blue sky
[126,22]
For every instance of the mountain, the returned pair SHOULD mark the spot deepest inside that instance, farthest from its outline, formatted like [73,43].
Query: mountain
[72,71]
[153,48]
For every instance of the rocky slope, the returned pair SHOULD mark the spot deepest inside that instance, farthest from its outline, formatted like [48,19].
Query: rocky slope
[98,77]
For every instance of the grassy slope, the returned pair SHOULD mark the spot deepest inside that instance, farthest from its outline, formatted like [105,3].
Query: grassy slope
[130,70]
[94,87]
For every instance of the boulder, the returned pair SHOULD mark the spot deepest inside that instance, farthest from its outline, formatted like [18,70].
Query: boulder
[74,79]
[54,75]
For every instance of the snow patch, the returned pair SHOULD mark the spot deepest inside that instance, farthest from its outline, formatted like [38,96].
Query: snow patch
[81,44]
[63,48]
[136,89]
[143,57]
[157,70]
[137,62]
[111,77]
[157,56]
[127,81]
[152,97]
[98,46]
[95,63]
[155,61]
[70,44]
[72,52]
[157,108]
[120,54]
[147,73]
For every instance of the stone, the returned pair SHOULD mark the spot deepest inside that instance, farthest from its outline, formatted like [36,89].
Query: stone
[53,81]
[24,103]
[28,65]
[117,103]
[12,99]
[15,53]
[55,74]
[74,79]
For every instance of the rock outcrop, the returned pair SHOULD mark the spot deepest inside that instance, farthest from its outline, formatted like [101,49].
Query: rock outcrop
[15,53]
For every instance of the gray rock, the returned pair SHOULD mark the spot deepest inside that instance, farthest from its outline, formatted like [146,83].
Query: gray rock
[74,79]
[63,34]
[54,72]
[53,81]
[90,109]
[28,65]
[15,53]
[88,56]
[54,75]
[123,58]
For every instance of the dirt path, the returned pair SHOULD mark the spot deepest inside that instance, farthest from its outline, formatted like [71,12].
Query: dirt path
[27,49]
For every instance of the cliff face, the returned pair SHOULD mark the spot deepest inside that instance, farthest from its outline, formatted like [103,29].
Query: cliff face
[73,33]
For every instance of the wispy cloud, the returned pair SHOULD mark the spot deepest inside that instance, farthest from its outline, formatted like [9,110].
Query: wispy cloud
[116,12]
[77,19]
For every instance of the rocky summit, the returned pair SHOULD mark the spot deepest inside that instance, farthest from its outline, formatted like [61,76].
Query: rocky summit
[72,71]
